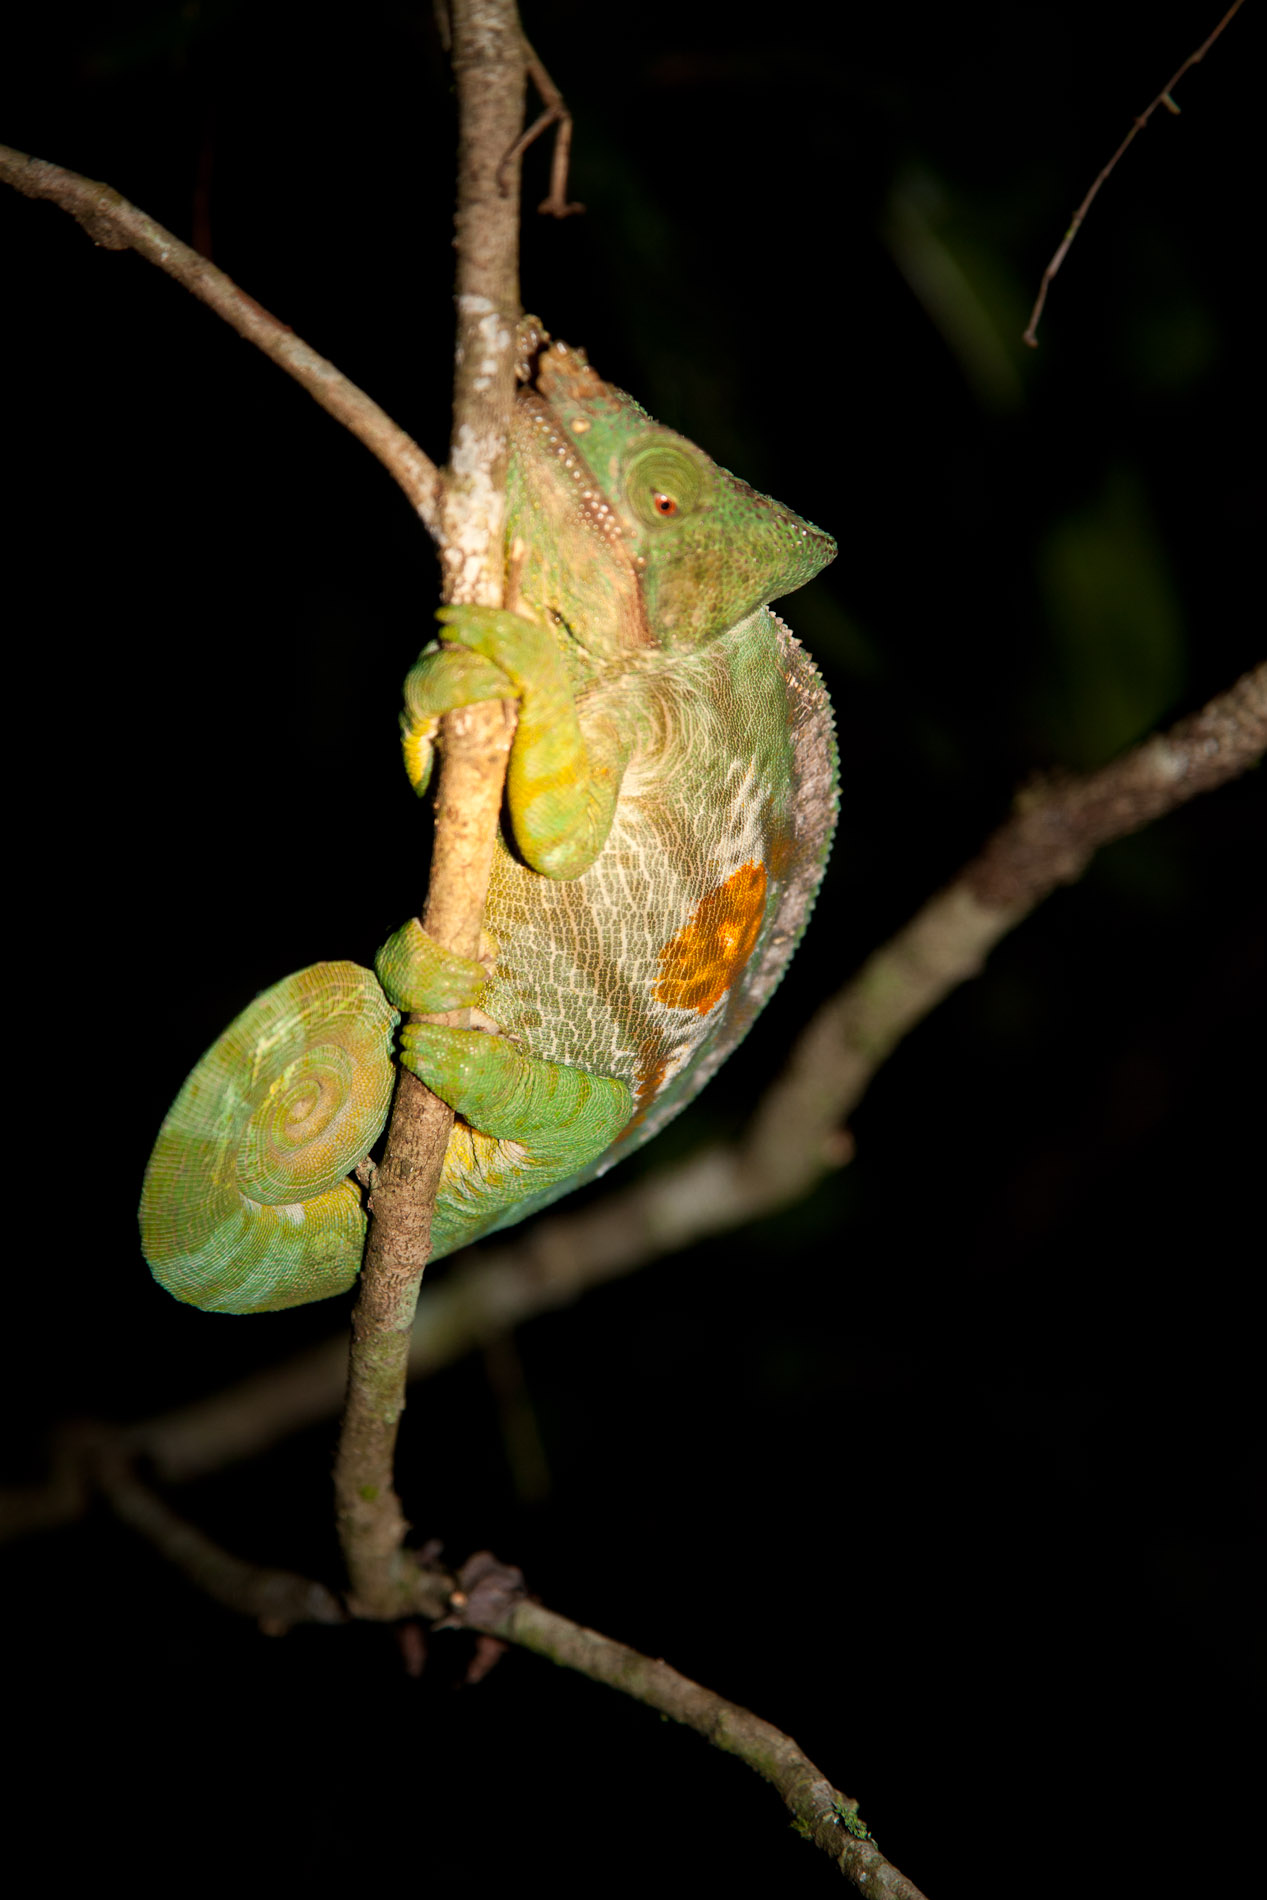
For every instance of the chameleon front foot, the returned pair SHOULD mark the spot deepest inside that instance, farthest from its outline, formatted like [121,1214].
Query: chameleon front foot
[561,784]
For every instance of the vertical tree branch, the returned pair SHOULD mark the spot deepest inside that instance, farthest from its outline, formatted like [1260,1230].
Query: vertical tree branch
[488,63]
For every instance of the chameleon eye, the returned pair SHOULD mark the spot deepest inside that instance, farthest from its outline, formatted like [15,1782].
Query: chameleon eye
[664,480]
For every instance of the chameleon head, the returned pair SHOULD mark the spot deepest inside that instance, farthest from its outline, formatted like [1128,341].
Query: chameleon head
[708,549]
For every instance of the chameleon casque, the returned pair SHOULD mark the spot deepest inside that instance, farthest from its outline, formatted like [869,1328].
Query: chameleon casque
[671,795]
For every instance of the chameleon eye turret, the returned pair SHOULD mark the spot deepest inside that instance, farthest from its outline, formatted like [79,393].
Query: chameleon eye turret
[665,482]
[707,567]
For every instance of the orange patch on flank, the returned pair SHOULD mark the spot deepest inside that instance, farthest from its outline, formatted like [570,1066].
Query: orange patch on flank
[699,964]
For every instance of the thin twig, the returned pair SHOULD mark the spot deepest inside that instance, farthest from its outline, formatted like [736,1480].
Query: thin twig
[795,1135]
[275,1599]
[556,203]
[488,68]
[115,224]
[488,1597]
[1163,99]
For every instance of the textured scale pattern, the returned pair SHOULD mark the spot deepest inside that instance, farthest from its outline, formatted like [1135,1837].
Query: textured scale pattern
[652,965]
[246,1206]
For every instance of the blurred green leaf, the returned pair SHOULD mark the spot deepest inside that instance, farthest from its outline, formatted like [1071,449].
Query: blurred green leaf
[968,293]
[1173,346]
[1118,662]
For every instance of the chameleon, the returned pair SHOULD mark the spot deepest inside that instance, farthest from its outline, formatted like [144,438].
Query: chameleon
[670,802]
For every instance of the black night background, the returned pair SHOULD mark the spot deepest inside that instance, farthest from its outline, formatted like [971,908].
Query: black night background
[954,1470]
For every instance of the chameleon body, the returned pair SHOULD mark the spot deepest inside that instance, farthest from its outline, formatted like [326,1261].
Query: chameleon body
[671,794]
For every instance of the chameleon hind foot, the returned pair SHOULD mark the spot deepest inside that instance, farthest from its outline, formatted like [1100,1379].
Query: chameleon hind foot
[419,975]
[526,1125]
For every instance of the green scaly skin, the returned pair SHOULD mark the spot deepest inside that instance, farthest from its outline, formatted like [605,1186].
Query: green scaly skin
[672,795]
[246,1205]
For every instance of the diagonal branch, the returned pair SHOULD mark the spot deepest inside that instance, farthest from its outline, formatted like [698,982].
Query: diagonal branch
[276,1599]
[1055,830]
[820,1812]
[115,224]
